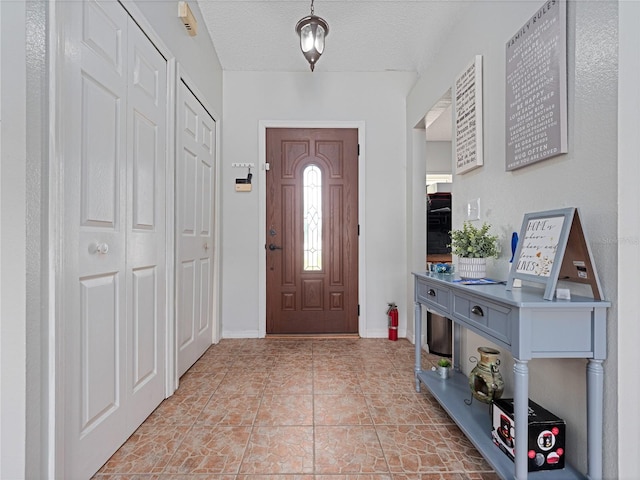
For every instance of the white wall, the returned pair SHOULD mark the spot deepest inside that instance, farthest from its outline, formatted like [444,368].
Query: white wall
[586,177]
[378,100]
[628,240]
[196,55]
[12,242]
[439,157]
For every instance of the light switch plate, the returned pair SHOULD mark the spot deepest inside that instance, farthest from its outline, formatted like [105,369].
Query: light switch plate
[473,209]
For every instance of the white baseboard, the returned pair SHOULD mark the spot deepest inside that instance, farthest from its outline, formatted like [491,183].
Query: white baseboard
[241,334]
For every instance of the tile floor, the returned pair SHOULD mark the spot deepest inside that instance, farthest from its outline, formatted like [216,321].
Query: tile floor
[297,409]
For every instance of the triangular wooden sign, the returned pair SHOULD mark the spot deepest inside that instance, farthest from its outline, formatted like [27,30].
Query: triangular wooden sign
[552,246]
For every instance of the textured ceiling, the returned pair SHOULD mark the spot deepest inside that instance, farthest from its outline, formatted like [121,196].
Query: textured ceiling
[364,36]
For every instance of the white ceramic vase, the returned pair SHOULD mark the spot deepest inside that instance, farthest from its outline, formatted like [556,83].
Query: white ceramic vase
[472,267]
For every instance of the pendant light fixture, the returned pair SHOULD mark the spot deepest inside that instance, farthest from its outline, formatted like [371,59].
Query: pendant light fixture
[312,31]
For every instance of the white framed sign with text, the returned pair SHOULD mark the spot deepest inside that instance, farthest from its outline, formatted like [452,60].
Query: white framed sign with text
[467,94]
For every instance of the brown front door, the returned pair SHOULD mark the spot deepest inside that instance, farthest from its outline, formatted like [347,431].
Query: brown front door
[312,231]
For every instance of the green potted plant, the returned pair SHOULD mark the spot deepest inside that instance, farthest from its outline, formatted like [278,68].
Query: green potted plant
[473,246]
[444,367]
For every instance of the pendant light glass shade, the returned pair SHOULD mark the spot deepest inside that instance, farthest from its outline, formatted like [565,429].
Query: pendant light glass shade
[312,31]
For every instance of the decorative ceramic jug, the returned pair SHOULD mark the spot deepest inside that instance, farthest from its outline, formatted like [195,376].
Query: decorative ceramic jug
[485,379]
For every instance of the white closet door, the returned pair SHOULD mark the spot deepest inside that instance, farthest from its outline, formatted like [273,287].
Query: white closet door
[94,303]
[146,245]
[113,300]
[194,240]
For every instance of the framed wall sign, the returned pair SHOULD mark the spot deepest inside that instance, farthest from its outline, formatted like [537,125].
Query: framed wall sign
[468,117]
[553,247]
[536,88]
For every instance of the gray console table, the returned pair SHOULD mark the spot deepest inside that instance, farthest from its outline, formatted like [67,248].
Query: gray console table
[520,322]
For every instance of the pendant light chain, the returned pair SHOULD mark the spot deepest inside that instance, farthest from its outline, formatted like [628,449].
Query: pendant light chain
[311,7]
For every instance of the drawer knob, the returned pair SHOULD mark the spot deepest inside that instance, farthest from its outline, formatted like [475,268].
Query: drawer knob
[432,292]
[476,310]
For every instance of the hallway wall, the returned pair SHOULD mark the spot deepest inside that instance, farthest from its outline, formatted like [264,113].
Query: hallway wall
[196,55]
[586,178]
[378,100]
[13,349]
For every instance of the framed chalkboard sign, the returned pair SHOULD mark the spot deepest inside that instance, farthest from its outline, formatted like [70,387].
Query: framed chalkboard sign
[553,247]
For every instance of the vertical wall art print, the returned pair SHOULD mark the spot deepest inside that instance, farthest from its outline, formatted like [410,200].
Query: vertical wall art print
[536,88]
[468,117]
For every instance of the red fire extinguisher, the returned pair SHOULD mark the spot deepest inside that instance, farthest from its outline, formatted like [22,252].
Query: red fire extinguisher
[392,313]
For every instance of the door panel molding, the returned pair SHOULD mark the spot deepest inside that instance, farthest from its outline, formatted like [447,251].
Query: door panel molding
[261,234]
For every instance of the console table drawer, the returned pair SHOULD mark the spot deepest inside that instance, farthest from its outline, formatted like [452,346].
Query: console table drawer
[492,318]
[433,295]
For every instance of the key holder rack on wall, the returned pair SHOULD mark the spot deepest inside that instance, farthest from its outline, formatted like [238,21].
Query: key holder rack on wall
[553,247]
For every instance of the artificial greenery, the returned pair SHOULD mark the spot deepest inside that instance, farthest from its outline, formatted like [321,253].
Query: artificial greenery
[443,362]
[472,242]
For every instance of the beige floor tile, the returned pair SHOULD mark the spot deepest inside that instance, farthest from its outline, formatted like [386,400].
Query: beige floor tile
[377,382]
[278,410]
[275,477]
[414,448]
[398,409]
[447,476]
[337,363]
[293,380]
[428,449]
[256,363]
[127,476]
[233,410]
[460,454]
[335,382]
[343,346]
[373,476]
[210,449]
[293,361]
[148,450]
[347,409]
[199,383]
[279,450]
[243,382]
[348,449]
[213,363]
[293,347]
[300,409]
[201,476]
[178,410]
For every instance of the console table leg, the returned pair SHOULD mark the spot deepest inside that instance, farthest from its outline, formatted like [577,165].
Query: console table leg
[595,406]
[521,414]
[417,331]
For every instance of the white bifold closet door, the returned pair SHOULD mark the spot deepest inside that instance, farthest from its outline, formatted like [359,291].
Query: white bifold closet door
[195,165]
[114,129]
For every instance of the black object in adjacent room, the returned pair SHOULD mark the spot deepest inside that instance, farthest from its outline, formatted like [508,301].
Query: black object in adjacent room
[438,223]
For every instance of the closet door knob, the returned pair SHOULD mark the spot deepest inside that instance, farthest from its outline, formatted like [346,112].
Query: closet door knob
[100,248]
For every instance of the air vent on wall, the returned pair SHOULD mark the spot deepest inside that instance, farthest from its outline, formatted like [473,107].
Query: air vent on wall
[190,22]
